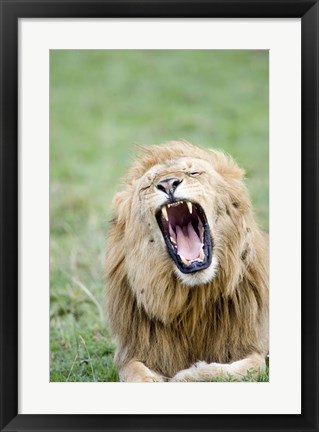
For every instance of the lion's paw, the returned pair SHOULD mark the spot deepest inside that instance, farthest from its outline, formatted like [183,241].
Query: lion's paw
[153,377]
[200,364]
[190,374]
[149,379]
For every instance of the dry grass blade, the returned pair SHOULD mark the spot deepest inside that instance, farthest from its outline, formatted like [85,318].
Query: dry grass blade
[72,367]
[90,295]
[89,357]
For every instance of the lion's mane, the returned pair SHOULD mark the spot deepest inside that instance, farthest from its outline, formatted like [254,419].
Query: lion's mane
[158,319]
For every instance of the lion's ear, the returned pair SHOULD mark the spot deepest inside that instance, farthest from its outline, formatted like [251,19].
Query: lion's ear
[226,166]
[120,203]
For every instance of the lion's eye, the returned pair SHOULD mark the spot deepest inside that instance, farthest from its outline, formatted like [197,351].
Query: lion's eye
[145,187]
[194,173]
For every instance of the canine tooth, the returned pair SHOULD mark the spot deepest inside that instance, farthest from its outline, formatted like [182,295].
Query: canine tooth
[190,207]
[201,255]
[164,213]
[184,260]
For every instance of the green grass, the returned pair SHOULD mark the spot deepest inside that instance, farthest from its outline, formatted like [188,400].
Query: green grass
[103,103]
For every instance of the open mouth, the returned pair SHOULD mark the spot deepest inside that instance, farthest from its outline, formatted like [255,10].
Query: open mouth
[186,233]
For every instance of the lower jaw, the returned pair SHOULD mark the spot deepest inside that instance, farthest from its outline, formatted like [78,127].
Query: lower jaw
[193,270]
[198,278]
[196,265]
[193,267]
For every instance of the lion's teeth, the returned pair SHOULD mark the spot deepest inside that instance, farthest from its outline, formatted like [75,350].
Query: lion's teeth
[172,240]
[201,255]
[164,213]
[184,260]
[190,207]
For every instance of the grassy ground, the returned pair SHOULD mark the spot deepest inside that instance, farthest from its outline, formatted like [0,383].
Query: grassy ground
[102,103]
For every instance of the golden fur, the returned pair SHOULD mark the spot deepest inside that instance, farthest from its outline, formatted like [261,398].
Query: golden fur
[164,321]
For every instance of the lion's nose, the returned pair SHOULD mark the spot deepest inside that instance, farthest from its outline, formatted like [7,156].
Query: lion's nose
[169,185]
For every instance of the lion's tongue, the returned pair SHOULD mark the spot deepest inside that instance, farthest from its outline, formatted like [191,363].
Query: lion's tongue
[188,242]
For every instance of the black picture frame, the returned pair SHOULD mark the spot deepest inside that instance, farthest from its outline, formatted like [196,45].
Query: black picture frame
[11,11]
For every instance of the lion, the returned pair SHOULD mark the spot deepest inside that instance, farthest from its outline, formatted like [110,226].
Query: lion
[186,269]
